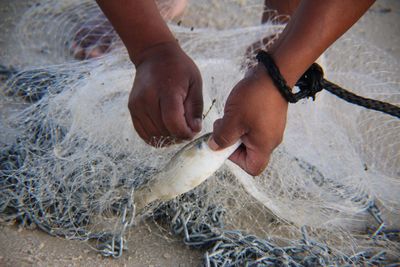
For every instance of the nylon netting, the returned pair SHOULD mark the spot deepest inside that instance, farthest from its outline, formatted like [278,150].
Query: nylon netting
[71,160]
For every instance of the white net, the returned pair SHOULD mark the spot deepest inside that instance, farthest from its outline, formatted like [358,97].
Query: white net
[76,161]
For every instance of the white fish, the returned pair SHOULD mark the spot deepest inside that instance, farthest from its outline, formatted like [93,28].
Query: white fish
[187,169]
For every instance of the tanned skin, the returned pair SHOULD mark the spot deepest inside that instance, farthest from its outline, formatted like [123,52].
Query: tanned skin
[166,98]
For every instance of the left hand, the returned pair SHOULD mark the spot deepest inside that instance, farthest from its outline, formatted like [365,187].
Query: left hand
[166,99]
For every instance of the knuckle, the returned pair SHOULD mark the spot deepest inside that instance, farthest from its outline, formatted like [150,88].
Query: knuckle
[217,124]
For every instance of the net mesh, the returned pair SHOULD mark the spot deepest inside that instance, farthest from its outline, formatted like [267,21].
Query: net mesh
[71,160]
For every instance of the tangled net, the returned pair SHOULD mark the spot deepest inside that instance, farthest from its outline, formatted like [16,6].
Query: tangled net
[71,166]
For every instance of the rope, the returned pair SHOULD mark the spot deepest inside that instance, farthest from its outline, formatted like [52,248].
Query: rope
[313,82]
[361,101]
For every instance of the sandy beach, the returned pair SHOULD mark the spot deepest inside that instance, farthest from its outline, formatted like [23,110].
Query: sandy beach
[148,244]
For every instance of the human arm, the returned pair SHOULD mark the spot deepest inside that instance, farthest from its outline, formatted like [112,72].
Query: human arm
[260,121]
[166,98]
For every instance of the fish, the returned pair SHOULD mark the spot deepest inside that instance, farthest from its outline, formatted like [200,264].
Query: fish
[186,170]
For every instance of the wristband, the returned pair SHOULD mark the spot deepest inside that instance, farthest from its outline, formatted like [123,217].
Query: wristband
[309,84]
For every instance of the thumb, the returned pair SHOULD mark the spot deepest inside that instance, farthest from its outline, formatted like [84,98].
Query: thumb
[227,131]
[194,107]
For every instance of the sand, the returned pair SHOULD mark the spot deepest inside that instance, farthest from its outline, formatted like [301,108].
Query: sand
[149,245]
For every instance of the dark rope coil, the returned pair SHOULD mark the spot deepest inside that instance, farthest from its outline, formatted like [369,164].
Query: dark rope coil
[313,82]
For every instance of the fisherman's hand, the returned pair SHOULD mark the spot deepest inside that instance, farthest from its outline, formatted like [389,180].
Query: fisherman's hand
[166,98]
[255,112]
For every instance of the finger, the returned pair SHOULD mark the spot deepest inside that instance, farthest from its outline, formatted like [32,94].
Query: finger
[251,161]
[194,107]
[140,129]
[150,131]
[173,116]
[156,123]
[156,129]
[226,132]
[137,116]
[94,52]
[77,51]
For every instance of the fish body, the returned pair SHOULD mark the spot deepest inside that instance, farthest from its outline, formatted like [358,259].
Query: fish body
[187,169]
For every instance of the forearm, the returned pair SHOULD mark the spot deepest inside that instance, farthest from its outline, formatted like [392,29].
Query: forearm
[314,26]
[138,23]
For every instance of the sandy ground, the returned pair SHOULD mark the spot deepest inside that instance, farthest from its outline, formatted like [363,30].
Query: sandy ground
[147,247]
[148,244]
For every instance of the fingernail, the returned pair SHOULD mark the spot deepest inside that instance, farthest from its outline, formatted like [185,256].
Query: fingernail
[211,143]
[197,124]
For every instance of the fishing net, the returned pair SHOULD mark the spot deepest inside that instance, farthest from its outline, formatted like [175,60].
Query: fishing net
[71,160]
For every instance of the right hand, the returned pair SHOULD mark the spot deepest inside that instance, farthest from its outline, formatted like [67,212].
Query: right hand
[166,99]
[255,112]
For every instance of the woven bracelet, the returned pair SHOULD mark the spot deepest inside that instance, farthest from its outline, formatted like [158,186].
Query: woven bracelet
[309,84]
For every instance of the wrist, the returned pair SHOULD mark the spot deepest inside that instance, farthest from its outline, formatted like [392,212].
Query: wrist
[154,50]
[264,80]
[309,84]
